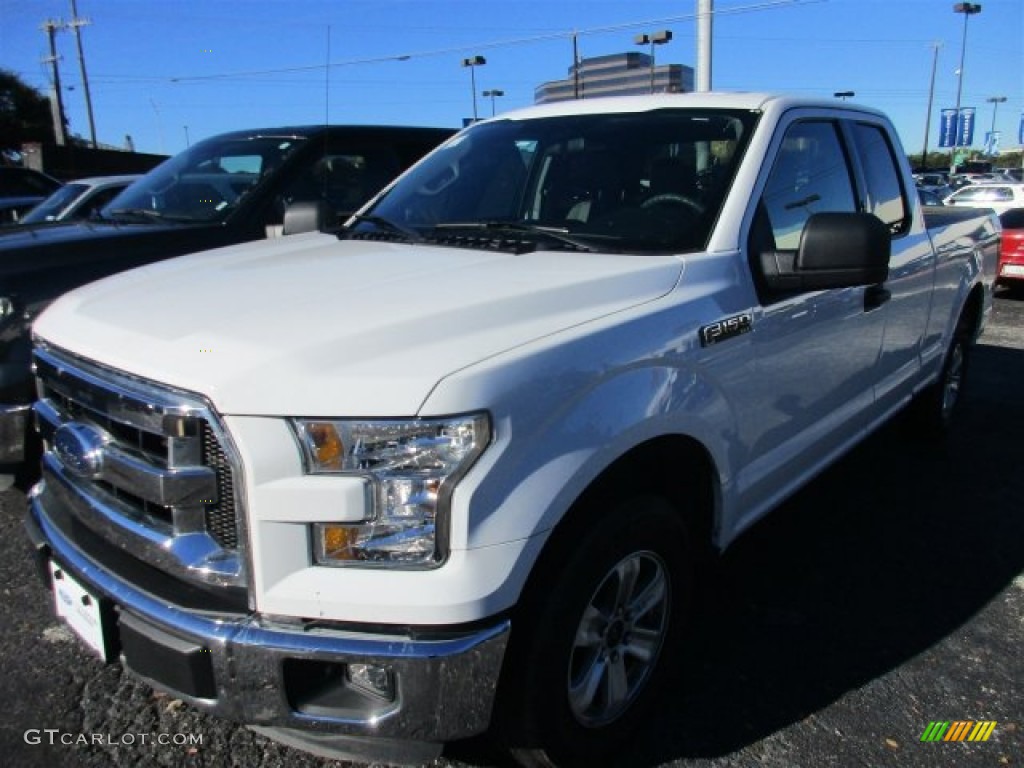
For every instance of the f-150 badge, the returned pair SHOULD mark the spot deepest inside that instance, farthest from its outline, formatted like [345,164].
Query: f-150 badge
[726,329]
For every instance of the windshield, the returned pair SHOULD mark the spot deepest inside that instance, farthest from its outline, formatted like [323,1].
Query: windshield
[50,208]
[636,182]
[204,183]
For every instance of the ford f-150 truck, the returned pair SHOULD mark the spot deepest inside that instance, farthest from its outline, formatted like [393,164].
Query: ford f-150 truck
[454,467]
[232,188]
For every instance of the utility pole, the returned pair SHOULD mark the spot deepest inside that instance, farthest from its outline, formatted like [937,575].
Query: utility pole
[76,24]
[50,27]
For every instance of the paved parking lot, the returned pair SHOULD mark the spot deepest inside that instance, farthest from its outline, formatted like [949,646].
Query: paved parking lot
[888,594]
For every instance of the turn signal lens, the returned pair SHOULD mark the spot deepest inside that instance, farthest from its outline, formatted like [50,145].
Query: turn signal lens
[325,444]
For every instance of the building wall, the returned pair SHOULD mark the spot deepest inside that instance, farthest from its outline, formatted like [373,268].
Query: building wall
[621,74]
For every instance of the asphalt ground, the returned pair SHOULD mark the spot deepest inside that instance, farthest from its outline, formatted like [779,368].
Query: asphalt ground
[886,595]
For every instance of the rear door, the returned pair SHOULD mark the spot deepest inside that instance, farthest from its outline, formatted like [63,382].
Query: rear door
[816,351]
[911,263]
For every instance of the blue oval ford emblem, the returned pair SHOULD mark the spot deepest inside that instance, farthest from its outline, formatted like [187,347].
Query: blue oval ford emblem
[80,448]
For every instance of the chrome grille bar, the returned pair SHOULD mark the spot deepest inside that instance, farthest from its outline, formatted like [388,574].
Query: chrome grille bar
[141,465]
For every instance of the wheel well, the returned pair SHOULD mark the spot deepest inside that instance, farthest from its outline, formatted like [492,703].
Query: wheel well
[971,315]
[674,466]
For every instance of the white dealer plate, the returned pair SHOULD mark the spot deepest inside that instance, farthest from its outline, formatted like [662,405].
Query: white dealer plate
[80,609]
[1015,270]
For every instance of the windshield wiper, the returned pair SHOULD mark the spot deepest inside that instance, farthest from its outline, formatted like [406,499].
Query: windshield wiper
[389,225]
[559,234]
[149,214]
[139,213]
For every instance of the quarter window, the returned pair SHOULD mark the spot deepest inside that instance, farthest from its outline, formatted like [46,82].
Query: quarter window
[885,193]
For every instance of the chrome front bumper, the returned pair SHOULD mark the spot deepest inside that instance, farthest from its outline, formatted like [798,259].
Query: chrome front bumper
[13,428]
[292,680]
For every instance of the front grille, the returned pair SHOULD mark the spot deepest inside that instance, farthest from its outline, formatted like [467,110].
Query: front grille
[220,517]
[143,465]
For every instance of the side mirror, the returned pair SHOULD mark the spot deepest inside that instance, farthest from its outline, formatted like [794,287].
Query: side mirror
[307,216]
[837,250]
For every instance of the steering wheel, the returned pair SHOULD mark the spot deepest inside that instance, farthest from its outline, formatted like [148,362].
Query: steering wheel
[674,199]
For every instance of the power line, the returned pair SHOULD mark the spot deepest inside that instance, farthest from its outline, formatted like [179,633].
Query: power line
[564,35]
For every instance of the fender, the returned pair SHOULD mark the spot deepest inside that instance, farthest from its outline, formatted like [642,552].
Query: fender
[563,413]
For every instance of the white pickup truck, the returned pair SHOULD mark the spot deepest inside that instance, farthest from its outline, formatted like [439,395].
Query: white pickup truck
[454,467]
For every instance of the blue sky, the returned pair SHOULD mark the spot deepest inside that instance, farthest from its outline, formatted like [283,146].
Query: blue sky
[168,71]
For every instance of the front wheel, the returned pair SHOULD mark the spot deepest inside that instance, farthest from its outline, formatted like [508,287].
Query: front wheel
[598,636]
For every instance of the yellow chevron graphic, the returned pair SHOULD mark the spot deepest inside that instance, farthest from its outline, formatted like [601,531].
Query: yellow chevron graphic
[968,730]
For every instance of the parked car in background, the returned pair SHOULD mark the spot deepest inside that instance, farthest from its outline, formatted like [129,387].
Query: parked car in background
[931,179]
[1011,255]
[997,196]
[78,199]
[930,196]
[21,189]
[232,188]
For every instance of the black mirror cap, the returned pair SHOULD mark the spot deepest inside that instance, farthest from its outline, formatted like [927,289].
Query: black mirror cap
[839,250]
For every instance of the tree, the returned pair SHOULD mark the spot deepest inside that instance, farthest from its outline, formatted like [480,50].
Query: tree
[24,114]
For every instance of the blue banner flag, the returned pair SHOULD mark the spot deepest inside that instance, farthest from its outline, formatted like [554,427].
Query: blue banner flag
[947,127]
[1020,130]
[965,134]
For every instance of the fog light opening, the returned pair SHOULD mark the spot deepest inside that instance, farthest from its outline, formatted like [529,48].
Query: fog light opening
[373,679]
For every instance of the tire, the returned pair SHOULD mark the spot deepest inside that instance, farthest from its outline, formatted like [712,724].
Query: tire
[597,638]
[936,407]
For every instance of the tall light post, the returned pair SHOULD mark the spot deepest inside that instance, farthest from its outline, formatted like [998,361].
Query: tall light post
[658,38]
[473,62]
[844,95]
[495,92]
[995,101]
[968,10]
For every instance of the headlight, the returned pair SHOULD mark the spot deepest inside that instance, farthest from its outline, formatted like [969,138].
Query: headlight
[413,465]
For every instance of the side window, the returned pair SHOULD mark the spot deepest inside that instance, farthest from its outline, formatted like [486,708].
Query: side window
[810,175]
[344,179]
[885,193]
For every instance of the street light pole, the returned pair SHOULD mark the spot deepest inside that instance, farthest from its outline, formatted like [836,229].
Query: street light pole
[968,10]
[493,93]
[658,38]
[473,62]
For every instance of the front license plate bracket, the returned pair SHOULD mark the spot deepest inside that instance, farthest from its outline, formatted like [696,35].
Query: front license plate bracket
[89,616]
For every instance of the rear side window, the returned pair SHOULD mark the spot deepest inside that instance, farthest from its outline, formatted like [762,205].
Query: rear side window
[810,175]
[885,193]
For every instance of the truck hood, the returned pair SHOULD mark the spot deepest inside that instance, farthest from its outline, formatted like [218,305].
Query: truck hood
[309,325]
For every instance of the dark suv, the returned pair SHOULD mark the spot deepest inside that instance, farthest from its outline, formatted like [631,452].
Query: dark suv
[232,188]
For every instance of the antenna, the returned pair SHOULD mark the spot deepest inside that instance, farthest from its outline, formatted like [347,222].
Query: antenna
[327,81]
